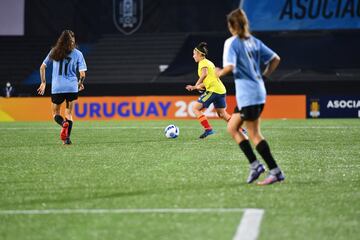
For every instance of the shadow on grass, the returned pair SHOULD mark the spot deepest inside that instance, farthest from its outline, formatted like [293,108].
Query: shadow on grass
[98,196]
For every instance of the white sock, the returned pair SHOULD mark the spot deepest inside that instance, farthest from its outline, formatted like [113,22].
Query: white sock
[275,171]
[254,164]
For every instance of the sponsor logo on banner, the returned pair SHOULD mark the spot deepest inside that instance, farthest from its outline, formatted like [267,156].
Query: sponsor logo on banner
[334,107]
[128,15]
[314,108]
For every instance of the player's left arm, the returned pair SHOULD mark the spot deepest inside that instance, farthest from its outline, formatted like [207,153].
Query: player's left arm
[269,58]
[199,85]
[272,65]
[229,59]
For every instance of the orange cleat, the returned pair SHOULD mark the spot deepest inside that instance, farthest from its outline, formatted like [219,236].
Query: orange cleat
[271,178]
[64,131]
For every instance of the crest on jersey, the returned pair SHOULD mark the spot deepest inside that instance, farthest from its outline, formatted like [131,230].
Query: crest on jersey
[128,15]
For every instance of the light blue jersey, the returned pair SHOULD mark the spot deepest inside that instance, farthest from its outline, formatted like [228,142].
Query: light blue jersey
[64,79]
[247,55]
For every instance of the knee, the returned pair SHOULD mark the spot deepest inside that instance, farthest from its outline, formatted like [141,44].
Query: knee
[56,112]
[231,130]
[255,136]
[196,111]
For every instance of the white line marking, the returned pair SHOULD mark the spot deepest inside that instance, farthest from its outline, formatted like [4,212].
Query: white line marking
[120,211]
[248,228]
[250,225]
[183,127]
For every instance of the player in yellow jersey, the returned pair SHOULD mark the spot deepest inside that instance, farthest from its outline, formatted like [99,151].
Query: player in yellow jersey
[215,91]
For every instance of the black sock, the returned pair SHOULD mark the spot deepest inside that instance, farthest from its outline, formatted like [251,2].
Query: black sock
[248,151]
[70,127]
[264,150]
[59,119]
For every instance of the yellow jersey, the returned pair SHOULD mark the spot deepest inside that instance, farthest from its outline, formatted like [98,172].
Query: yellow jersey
[212,82]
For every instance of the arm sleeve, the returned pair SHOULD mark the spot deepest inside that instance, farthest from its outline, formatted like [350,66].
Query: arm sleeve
[229,54]
[266,54]
[81,62]
[47,60]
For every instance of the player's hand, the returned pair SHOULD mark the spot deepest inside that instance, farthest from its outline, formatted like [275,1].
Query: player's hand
[190,88]
[41,89]
[218,71]
[81,87]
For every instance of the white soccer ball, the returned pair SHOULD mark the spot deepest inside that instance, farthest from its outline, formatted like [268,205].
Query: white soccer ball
[172,131]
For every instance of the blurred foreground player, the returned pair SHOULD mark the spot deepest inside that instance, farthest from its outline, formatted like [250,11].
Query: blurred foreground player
[243,54]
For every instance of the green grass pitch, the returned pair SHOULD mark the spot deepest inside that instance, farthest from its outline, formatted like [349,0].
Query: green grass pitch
[131,165]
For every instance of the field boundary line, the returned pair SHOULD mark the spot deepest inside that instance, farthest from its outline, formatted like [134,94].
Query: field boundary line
[120,211]
[248,229]
[249,226]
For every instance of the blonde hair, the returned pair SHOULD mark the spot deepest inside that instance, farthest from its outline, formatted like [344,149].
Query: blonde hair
[239,22]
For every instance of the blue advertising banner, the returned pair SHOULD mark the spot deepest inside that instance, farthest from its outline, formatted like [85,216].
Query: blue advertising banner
[270,15]
[333,106]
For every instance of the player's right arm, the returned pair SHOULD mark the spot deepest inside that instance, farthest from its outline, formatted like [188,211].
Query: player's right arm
[41,89]
[229,58]
[199,83]
[47,61]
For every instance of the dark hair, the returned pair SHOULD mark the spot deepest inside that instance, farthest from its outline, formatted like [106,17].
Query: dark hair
[238,21]
[64,46]
[202,48]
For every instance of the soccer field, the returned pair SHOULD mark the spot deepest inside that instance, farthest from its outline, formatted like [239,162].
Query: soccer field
[125,180]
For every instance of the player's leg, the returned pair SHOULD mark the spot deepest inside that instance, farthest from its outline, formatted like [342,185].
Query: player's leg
[57,100]
[197,109]
[223,114]
[219,101]
[70,102]
[234,128]
[69,119]
[55,108]
[220,107]
[263,149]
[203,102]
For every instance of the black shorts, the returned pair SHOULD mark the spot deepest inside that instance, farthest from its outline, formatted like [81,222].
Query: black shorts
[59,98]
[250,113]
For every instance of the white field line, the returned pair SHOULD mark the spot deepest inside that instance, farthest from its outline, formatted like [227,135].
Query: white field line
[120,211]
[248,229]
[149,127]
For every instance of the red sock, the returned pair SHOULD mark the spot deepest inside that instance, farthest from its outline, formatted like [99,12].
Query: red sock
[204,122]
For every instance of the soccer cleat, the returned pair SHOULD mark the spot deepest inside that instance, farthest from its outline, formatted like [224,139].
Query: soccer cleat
[255,173]
[64,131]
[272,178]
[207,133]
[67,141]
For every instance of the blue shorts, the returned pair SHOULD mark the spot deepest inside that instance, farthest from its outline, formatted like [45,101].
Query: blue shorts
[208,98]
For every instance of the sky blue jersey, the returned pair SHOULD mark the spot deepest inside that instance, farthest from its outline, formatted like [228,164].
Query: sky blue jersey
[64,79]
[247,55]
